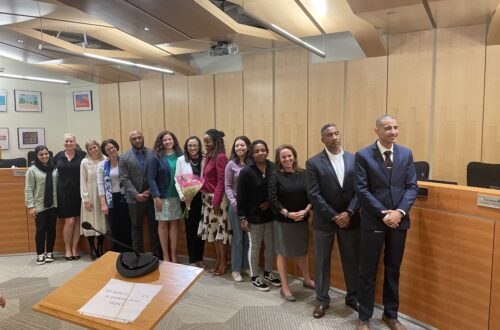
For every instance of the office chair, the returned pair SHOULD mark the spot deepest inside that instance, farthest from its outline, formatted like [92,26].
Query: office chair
[17,162]
[483,175]
[422,168]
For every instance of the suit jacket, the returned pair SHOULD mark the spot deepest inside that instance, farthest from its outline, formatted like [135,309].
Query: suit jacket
[133,179]
[326,194]
[158,176]
[377,190]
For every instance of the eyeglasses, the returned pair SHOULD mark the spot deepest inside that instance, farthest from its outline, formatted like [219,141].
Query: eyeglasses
[193,146]
[136,138]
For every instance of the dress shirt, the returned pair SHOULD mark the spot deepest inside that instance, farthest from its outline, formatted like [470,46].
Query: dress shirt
[338,164]
[141,155]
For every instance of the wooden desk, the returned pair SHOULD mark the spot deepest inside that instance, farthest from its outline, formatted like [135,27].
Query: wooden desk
[65,301]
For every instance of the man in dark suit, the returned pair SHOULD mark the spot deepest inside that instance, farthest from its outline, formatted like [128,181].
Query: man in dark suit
[330,186]
[386,186]
[133,169]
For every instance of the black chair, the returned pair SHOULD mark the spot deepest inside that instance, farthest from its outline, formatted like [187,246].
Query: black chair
[17,162]
[483,175]
[422,168]
[32,156]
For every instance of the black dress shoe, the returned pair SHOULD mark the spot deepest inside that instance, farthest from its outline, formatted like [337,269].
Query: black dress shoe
[77,257]
[319,311]
[69,258]
[353,304]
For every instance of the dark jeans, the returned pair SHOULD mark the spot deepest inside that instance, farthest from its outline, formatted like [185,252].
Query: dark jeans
[371,245]
[45,235]
[137,212]
[195,244]
[119,224]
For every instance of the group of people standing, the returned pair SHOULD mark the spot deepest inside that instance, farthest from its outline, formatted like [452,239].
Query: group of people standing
[245,200]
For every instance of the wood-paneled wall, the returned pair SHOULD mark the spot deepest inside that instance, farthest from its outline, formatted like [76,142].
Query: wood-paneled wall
[441,85]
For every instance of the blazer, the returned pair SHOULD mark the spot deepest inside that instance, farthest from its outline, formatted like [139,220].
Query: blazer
[133,179]
[377,190]
[327,196]
[182,167]
[158,176]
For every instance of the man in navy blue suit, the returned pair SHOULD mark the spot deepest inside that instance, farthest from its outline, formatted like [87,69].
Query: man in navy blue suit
[386,187]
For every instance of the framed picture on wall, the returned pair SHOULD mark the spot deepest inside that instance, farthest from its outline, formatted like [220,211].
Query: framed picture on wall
[3,100]
[28,101]
[29,137]
[4,138]
[82,101]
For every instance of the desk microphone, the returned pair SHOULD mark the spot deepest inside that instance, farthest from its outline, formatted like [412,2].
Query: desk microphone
[130,264]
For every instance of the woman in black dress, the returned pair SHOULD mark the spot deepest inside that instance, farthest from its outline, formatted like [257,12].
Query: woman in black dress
[288,198]
[69,201]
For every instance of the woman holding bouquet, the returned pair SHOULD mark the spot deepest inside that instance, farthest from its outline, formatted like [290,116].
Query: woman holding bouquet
[161,171]
[215,226]
[239,241]
[289,201]
[190,163]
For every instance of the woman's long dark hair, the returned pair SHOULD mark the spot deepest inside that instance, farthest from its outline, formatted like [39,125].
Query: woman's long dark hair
[37,161]
[187,155]
[234,156]
[159,149]
[218,140]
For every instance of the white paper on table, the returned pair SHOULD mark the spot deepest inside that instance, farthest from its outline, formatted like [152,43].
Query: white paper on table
[120,300]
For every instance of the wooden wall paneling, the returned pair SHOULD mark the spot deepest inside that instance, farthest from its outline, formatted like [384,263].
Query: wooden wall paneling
[109,98]
[366,100]
[325,101]
[175,93]
[290,100]
[201,104]
[458,113]
[229,105]
[258,96]
[495,285]
[409,91]
[491,131]
[130,111]
[446,270]
[152,117]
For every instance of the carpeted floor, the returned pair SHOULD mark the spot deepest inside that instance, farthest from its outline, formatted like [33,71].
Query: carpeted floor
[212,303]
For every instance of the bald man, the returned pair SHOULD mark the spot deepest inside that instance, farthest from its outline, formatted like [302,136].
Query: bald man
[133,169]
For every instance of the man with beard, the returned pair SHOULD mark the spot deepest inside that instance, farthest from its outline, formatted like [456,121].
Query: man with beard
[133,169]
[386,186]
[330,186]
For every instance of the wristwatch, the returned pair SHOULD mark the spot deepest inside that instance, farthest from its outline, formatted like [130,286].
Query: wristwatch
[243,218]
[350,212]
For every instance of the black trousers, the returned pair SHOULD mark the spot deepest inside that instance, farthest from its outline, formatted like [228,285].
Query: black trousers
[371,245]
[349,245]
[45,235]
[195,244]
[119,224]
[137,212]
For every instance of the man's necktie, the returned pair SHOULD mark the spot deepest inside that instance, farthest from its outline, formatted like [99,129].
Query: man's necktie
[388,161]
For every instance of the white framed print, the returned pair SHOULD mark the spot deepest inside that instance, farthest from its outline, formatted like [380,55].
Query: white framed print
[4,138]
[3,100]
[28,101]
[82,101]
[30,137]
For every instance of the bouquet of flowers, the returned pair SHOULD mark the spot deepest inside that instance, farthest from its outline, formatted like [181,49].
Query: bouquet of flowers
[190,185]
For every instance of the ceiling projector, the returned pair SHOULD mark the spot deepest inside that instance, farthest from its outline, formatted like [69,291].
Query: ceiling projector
[222,48]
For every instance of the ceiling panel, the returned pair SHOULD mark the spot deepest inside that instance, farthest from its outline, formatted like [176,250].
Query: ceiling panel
[462,12]
[400,19]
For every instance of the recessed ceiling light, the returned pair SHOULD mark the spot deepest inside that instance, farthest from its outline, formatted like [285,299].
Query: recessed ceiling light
[147,29]
[21,41]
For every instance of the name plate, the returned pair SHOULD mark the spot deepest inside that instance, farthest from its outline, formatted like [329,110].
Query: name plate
[19,173]
[488,201]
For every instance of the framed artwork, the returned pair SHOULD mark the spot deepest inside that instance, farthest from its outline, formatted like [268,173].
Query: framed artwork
[4,138]
[28,101]
[29,138]
[82,101]
[3,100]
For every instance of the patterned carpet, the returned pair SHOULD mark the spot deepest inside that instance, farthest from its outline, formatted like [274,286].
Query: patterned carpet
[212,303]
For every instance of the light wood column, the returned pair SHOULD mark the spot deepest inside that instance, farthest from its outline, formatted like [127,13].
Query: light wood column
[152,120]
[229,106]
[458,114]
[175,95]
[109,98]
[201,104]
[130,111]
[491,122]
[258,96]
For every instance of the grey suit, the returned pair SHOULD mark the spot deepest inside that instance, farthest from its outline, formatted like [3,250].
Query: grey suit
[134,179]
[329,198]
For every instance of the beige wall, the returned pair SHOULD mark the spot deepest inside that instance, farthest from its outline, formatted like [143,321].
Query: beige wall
[441,85]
